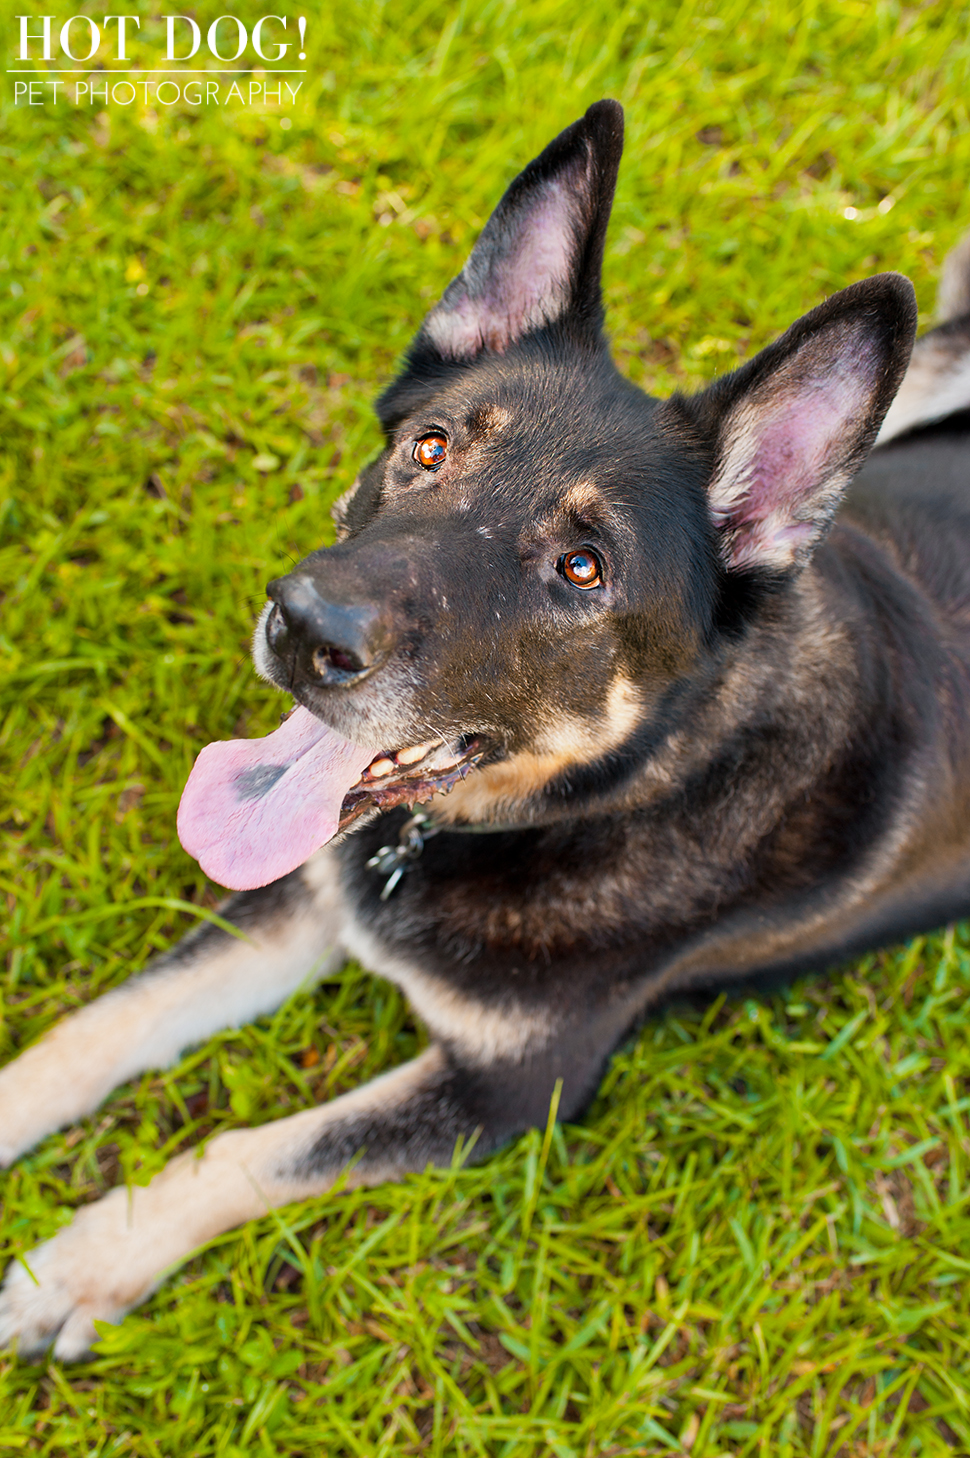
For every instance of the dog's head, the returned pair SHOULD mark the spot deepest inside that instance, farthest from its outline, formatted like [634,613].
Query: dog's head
[542,555]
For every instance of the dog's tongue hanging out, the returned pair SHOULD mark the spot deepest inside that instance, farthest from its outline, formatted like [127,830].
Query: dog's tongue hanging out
[254,809]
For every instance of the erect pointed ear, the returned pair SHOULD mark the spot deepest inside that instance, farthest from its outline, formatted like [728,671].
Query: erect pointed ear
[791,427]
[541,252]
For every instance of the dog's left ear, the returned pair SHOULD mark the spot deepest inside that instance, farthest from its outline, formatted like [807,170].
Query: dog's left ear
[793,425]
[540,254]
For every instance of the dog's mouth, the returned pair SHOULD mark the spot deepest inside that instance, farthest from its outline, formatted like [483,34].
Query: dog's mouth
[410,776]
[255,809]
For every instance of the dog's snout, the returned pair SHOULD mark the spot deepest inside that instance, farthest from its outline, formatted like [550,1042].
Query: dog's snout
[330,644]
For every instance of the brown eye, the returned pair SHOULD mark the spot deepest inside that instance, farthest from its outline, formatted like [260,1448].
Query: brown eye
[582,568]
[430,451]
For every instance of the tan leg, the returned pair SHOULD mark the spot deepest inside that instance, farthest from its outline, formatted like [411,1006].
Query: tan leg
[210,981]
[117,1250]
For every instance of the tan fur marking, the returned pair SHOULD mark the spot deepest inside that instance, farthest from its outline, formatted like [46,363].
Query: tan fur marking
[481,1033]
[936,383]
[584,499]
[493,417]
[572,735]
[496,790]
[338,512]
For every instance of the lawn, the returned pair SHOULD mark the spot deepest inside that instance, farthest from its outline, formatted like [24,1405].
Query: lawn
[758,1241]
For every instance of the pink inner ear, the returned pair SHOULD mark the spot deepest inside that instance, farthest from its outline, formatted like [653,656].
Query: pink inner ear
[523,287]
[785,460]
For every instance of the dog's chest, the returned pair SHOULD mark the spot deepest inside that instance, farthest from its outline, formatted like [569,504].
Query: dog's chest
[543,914]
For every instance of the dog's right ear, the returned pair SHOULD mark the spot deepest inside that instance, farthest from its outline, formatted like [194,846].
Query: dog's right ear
[540,254]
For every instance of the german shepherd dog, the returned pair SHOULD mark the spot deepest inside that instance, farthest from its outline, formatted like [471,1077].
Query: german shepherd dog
[679,711]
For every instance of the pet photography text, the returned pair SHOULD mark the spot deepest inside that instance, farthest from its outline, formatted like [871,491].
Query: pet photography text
[81,49]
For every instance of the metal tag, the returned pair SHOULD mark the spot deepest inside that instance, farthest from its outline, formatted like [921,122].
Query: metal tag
[393,860]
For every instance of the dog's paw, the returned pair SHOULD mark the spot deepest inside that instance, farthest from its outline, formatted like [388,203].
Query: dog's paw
[37,1309]
[55,1295]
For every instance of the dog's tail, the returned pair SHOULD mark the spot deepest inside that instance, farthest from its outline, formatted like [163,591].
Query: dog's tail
[937,382]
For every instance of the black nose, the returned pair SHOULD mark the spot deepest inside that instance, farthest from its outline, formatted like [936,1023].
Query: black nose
[329,644]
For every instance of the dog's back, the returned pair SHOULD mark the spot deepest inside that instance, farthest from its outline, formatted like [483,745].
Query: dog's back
[915,487]
[897,568]
[911,500]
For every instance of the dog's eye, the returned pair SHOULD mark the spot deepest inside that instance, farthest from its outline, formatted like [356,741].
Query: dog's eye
[430,451]
[582,568]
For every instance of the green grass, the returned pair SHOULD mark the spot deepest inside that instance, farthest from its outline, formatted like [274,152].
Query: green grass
[759,1241]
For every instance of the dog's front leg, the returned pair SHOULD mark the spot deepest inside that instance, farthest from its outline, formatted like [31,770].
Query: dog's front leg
[211,980]
[117,1250]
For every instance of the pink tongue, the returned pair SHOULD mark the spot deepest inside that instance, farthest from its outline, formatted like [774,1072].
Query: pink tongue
[254,809]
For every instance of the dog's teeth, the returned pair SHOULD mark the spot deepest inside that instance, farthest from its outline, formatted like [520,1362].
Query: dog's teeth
[379,767]
[414,752]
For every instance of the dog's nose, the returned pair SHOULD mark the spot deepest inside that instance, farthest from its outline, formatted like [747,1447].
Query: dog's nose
[332,645]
